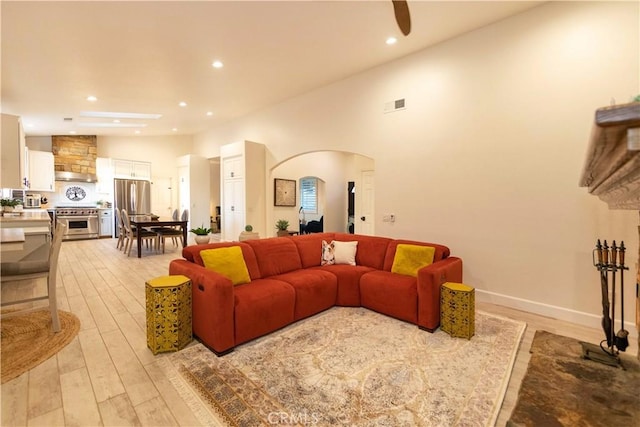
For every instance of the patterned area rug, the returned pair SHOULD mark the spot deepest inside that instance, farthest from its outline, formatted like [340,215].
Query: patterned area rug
[27,340]
[352,366]
[561,388]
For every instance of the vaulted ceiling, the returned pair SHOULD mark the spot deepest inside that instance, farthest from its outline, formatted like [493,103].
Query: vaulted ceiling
[148,56]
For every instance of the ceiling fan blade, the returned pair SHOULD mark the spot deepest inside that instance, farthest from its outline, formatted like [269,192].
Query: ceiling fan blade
[401,10]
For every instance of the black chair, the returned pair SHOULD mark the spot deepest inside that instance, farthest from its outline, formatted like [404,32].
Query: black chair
[314,226]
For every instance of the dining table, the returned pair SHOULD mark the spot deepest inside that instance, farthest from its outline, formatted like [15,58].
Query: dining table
[146,221]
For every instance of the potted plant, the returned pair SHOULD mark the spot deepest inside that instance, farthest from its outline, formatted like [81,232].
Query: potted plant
[281,226]
[8,205]
[202,234]
[248,234]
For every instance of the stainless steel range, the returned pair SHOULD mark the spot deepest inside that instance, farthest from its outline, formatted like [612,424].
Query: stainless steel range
[81,221]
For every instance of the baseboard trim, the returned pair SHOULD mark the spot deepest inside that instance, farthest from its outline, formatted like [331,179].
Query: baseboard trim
[553,311]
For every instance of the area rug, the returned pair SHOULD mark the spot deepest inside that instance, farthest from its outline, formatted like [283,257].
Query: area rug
[27,340]
[561,388]
[352,366]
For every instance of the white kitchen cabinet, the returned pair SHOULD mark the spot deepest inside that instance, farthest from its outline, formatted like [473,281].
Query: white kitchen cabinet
[41,171]
[14,170]
[106,222]
[242,188]
[104,171]
[131,169]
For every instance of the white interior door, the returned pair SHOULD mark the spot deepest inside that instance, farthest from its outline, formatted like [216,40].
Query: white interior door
[183,189]
[365,204]
[162,196]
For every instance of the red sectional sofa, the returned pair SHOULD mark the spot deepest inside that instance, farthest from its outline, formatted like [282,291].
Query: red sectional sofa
[288,283]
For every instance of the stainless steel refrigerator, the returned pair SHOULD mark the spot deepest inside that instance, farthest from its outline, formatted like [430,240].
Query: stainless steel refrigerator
[132,195]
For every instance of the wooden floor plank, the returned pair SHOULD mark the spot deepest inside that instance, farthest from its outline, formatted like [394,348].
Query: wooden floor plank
[80,407]
[44,388]
[51,418]
[71,357]
[118,411]
[154,412]
[14,401]
[136,382]
[104,377]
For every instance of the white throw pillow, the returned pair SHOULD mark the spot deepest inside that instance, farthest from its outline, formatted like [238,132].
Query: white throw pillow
[345,252]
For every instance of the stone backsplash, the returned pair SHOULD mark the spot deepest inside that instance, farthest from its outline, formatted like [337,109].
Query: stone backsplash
[75,153]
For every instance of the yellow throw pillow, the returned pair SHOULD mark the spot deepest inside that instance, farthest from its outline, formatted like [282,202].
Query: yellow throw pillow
[411,258]
[227,261]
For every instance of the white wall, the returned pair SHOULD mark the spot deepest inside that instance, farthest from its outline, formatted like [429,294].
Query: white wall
[487,156]
[162,151]
[335,169]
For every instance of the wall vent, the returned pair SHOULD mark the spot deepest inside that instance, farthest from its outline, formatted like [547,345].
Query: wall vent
[391,106]
[67,119]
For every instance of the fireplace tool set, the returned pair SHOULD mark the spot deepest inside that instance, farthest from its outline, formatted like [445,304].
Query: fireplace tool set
[609,261]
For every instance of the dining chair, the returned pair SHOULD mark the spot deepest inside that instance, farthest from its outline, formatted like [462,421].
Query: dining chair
[121,230]
[174,232]
[30,270]
[132,234]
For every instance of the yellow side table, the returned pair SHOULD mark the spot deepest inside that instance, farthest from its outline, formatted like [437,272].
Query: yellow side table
[168,300]
[457,309]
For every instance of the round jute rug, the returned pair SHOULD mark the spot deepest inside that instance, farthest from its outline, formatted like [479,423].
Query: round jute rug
[27,340]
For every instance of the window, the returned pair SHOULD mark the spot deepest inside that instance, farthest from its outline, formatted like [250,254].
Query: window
[309,195]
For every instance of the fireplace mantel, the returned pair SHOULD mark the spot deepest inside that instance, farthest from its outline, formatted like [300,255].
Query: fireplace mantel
[612,169]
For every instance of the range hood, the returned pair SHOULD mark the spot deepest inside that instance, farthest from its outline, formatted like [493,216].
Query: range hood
[76,176]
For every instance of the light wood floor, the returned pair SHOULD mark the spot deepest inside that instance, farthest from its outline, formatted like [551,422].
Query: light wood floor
[107,376]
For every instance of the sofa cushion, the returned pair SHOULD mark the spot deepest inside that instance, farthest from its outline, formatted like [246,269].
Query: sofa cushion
[348,282]
[316,290]
[393,294]
[275,255]
[228,262]
[371,249]
[310,247]
[411,258]
[262,306]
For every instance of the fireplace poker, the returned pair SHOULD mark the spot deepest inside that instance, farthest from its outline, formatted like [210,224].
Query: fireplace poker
[604,285]
[614,263]
[622,337]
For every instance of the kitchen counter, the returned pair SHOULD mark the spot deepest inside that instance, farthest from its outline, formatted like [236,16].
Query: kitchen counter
[25,217]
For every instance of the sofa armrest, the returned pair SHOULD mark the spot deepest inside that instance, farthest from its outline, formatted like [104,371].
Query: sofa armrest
[212,305]
[430,278]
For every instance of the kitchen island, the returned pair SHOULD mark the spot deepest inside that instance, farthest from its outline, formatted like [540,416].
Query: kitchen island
[36,226]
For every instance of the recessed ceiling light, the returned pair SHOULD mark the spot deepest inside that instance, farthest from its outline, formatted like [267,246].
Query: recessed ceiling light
[116,121]
[72,131]
[175,129]
[209,113]
[113,115]
[392,40]
[182,104]
[217,64]
[91,98]
[137,132]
